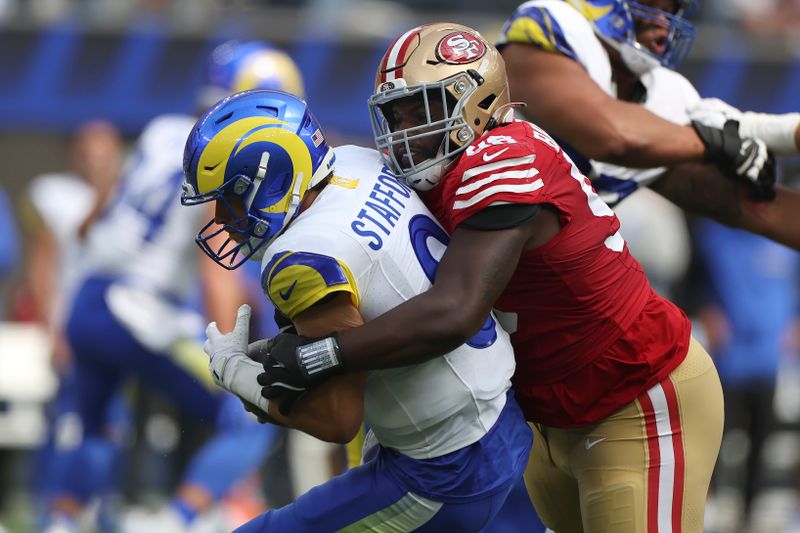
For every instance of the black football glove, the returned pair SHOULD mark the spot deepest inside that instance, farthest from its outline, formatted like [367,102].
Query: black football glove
[743,159]
[294,364]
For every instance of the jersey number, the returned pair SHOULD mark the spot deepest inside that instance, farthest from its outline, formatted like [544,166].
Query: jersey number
[422,227]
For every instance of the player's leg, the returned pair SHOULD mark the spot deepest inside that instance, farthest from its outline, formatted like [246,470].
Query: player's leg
[367,498]
[87,469]
[516,513]
[647,467]
[457,492]
[701,406]
[553,491]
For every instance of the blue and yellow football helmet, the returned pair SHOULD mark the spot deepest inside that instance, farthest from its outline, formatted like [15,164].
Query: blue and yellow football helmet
[616,21]
[256,154]
[236,66]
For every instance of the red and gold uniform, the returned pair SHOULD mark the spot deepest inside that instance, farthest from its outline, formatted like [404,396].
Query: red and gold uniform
[624,403]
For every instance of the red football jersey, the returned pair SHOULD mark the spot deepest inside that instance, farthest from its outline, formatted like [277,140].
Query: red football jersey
[591,334]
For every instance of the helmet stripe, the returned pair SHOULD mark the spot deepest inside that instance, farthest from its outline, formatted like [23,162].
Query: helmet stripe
[395,55]
[213,160]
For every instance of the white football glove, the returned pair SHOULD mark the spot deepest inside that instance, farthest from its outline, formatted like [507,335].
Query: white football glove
[777,131]
[230,366]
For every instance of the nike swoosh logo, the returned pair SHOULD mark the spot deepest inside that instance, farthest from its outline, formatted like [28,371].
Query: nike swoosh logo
[592,443]
[288,292]
[490,157]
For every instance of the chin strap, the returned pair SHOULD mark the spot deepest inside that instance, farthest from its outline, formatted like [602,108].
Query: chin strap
[294,203]
[503,114]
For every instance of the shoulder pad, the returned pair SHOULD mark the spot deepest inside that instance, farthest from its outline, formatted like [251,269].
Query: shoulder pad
[295,281]
[498,164]
[535,23]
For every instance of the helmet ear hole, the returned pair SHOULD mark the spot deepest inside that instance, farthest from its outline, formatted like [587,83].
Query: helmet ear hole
[487,102]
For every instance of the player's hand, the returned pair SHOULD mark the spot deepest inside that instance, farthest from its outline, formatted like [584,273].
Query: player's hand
[744,159]
[713,113]
[263,418]
[229,364]
[293,364]
[778,131]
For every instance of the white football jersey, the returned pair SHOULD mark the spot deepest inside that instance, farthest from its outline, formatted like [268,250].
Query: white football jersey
[144,236]
[369,235]
[557,27]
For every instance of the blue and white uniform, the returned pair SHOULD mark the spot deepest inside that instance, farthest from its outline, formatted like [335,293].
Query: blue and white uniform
[452,441]
[557,27]
[132,315]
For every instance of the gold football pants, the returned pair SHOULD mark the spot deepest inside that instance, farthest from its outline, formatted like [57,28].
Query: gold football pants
[644,469]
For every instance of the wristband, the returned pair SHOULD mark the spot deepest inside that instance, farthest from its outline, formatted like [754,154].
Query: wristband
[777,131]
[319,357]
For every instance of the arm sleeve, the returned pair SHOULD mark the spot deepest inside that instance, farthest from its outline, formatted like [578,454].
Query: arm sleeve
[501,217]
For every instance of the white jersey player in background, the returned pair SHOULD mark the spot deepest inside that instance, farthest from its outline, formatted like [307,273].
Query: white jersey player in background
[53,232]
[598,75]
[135,314]
[341,245]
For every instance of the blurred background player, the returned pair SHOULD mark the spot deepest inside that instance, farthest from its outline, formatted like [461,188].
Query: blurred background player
[750,296]
[134,310]
[597,75]
[53,227]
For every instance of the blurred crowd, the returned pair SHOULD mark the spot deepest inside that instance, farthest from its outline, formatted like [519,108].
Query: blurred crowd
[765,17]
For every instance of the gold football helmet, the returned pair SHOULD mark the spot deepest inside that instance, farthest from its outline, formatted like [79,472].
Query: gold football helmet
[459,80]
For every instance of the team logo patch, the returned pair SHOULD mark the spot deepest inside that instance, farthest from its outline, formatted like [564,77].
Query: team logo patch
[386,86]
[460,47]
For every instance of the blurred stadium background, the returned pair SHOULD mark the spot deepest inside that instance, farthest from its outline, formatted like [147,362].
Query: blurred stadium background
[63,62]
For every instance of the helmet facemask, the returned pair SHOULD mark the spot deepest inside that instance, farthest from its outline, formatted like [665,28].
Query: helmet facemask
[399,147]
[234,235]
[447,67]
[680,32]
[618,22]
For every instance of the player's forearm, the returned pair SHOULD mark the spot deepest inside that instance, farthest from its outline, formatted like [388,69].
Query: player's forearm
[776,220]
[473,273]
[421,329]
[332,412]
[564,100]
[640,141]
[702,190]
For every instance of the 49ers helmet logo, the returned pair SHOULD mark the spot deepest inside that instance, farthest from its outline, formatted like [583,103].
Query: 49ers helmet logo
[460,47]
